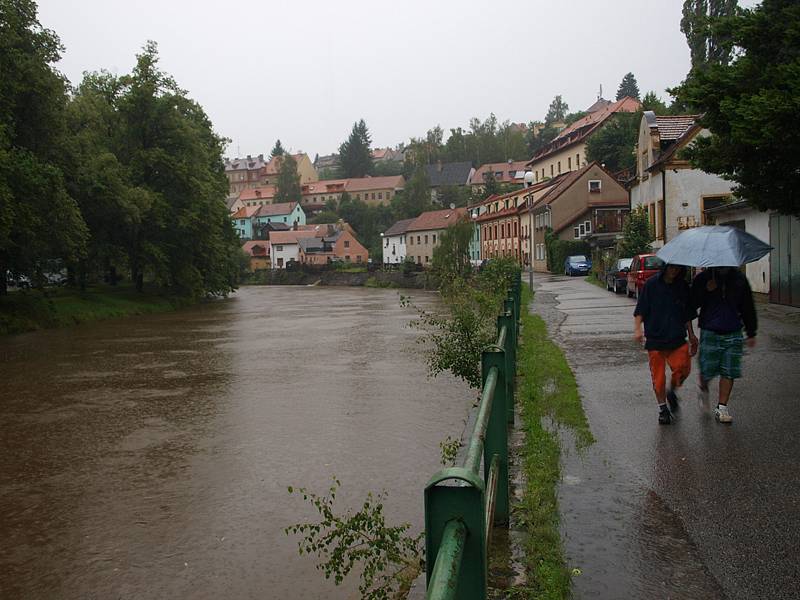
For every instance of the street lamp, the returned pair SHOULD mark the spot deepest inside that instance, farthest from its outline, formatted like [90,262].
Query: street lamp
[528,179]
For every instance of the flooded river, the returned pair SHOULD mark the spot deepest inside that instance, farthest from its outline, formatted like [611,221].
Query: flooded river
[150,457]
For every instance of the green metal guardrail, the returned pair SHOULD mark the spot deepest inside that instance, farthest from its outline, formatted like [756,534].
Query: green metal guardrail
[462,505]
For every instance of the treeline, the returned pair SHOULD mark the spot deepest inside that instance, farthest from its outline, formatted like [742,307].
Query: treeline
[121,176]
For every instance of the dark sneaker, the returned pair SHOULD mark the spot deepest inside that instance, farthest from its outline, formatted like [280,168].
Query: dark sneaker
[672,398]
[664,416]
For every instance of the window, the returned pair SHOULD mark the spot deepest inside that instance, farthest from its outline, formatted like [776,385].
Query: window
[380,195]
[559,167]
[594,186]
[418,240]
[502,230]
[347,243]
[358,258]
[588,226]
[386,245]
[434,238]
[551,170]
[426,238]
[582,229]
[411,240]
[427,259]
[373,195]
[495,232]
[577,160]
[347,258]
[278,248]
[577,233]
[569,163]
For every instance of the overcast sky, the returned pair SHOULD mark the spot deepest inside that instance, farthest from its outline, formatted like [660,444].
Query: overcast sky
[305,71]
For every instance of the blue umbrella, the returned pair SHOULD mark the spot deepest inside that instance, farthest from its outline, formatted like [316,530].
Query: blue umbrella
[718,246]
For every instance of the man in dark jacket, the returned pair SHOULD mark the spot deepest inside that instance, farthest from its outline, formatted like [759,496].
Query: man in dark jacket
[665,310]
[723,296]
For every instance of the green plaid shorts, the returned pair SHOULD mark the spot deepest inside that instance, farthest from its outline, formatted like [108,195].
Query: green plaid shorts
[720,354]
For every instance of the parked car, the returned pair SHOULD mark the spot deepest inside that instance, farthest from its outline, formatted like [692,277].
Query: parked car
[643,267]
[17,282]
[577,264]
[617,275]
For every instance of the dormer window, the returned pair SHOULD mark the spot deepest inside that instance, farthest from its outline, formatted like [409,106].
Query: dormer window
[595,186]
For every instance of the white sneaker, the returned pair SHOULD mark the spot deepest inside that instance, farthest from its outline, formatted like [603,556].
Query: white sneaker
[722,415]
[702,399]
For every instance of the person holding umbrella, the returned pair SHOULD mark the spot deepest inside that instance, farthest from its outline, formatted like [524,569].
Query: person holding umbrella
[722,295]
[725,301]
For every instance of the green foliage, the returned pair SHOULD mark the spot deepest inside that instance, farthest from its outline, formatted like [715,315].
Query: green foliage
[614,144]
[651,101]
[355,156]
[389,167]
[415,198]
[449,447]
[455,340]
[287,187]
[557,111]
[451,256]
[558,250]
[637,234]
[748,103]
[277,150]
[628,87]
[537,141]
[707,46]
[326,216]
[388,556]
[39,220]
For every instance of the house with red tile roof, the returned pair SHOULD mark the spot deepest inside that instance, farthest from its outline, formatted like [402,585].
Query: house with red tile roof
[257,172]
[258,251]
[242,221]
[334,245]
[372,190]
[424,233]
[588,204]
[567,151]
[510,172]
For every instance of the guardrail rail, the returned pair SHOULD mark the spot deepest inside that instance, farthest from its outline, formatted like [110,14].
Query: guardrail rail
[462,504]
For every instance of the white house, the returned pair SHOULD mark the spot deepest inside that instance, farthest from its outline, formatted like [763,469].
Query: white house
[675,195]
[284,247]
[394,242]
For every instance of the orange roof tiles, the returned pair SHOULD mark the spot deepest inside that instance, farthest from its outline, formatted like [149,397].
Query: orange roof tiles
[505,168]
[270,210]
[251,247]
[291,236]
[245,212]
[437,219]
[362,184]
[260,193]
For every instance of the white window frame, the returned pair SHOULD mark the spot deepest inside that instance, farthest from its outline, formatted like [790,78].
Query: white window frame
[587,226]
[577,233]
[597,184]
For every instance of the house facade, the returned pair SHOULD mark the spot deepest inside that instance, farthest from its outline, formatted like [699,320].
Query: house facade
[511,172]
[258,251]
[394,242]
[242,221]
[588,204]
[425,232]
[498,222]
[335,245]
[675,195]
[257,172]
[285,247]
[372,190]
[567,151]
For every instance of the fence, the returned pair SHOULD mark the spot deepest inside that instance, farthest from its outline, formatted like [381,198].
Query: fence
[462,504]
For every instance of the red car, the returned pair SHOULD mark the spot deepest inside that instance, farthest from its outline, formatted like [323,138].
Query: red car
[643,267]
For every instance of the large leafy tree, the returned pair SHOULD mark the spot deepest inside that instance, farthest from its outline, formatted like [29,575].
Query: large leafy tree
[637,234]
[707,46]
[38,218]
[451,256]
[355,156]
[628,87]
[614,144]
[750,104]
[288,184]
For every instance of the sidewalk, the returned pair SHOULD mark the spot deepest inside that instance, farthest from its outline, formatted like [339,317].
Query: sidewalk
[693,510]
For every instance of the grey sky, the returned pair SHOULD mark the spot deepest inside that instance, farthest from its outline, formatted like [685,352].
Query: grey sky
[305,71]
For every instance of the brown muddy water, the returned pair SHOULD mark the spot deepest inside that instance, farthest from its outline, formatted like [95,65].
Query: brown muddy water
[150,457]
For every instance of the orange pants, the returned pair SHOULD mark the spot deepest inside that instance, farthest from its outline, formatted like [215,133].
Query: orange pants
[679,363]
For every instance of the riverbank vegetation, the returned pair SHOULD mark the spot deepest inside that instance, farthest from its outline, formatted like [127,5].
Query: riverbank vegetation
[119,178]
[549,399]
[35,309]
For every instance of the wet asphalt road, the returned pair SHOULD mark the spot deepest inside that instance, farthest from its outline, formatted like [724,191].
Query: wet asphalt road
[691,510]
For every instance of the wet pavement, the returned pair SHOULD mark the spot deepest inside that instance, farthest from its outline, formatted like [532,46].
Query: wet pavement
[149,457]
[691,510]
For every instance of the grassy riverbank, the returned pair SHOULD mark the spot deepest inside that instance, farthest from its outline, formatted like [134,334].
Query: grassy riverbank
[548,393]
[58,307]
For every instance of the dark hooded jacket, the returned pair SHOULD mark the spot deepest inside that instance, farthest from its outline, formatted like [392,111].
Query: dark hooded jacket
[665,308]
[728,306]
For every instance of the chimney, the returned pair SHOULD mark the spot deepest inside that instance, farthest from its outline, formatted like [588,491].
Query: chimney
[249,157]
[258,193]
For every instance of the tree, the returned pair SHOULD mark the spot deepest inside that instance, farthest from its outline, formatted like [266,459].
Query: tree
[38,218]
[287,188]
[614,144]
[706,46]
[637,234]
[355,156]
[451,256]
[415,197]
[748,106]
[651,101]
[278,150]
[628,87]
[539,136]
[557,111]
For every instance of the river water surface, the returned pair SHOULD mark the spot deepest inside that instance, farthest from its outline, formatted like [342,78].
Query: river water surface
[150,457]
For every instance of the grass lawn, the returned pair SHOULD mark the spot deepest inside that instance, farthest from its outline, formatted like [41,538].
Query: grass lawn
[57,307]
[546,390]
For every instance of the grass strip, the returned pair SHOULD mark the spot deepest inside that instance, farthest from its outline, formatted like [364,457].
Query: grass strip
[546,389]
[59,307]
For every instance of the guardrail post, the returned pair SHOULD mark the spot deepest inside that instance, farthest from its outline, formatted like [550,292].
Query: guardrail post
[465,503]
[497,431]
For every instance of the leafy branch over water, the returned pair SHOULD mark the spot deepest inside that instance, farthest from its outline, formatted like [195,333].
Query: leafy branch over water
[388,556]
